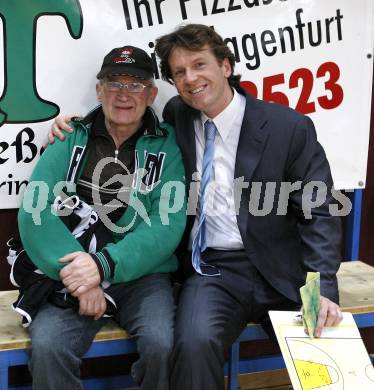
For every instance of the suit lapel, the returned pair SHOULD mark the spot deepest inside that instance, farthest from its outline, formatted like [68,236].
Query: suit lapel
[185,132]
[186,138]
[252,140]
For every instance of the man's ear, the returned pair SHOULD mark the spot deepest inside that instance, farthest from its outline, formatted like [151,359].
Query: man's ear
[152,95]
[99,91]
[227,67]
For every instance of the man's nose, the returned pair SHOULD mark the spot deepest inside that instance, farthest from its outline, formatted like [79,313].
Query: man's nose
[190,76]
[123,93]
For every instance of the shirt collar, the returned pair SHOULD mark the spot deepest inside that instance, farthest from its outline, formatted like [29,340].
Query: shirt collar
[225,118]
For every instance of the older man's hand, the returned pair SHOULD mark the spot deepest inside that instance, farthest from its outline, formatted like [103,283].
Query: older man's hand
[92,303]
[81,274]
[329,315]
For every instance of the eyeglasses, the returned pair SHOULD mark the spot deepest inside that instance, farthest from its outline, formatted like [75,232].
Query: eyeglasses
[117,86]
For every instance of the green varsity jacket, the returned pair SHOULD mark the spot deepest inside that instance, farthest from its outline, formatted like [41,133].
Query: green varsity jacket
[148,232]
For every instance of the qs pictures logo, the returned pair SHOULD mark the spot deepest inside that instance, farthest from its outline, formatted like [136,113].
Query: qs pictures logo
[20,101]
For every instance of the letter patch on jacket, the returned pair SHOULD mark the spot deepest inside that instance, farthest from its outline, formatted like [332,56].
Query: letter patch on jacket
[75,160]
[153,168]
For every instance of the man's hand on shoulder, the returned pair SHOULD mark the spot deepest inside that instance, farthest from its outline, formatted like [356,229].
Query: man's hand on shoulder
[329,315]
[60,123]
[80,274]
[92,303]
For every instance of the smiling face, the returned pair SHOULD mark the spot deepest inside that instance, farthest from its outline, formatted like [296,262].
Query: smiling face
[123,109]
[201,80]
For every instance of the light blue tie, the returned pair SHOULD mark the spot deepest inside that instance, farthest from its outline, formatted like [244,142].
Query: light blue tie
[199,241]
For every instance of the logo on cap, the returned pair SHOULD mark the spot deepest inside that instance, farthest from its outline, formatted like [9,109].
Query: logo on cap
[125,56]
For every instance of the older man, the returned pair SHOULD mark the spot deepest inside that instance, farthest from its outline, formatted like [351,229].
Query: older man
[122,161]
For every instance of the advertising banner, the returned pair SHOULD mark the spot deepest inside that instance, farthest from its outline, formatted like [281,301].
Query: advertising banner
[315,56]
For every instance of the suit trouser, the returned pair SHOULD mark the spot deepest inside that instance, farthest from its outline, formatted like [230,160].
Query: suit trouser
[211,314]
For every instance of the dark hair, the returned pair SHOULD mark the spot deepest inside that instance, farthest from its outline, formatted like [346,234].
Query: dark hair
[194,37]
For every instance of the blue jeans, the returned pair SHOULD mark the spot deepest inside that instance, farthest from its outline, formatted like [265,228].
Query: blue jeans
[60,337]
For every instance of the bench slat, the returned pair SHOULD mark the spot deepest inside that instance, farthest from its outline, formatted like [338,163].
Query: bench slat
[356,287]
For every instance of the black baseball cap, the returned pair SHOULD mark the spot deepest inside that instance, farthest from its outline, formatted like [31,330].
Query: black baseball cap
[127,60]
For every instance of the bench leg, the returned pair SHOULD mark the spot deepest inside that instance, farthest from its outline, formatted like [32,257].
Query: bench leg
[3,372]
[233,367]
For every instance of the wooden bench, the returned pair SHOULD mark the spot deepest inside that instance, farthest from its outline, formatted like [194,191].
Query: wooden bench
[356,284]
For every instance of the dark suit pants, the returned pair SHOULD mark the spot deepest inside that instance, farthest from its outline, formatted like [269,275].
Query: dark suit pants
[212,312]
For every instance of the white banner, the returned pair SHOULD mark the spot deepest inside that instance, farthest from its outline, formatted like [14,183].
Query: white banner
[313,55]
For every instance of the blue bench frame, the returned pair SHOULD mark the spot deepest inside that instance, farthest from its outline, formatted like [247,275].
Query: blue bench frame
[17,357]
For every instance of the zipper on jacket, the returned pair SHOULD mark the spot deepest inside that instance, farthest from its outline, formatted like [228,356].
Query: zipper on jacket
[116,156]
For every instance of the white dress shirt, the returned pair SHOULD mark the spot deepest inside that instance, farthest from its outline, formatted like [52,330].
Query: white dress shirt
[222,230]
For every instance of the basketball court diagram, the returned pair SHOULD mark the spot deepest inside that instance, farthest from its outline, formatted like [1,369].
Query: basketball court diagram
[338,360]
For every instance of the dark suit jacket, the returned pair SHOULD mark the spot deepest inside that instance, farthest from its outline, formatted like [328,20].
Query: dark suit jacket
[276,145]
